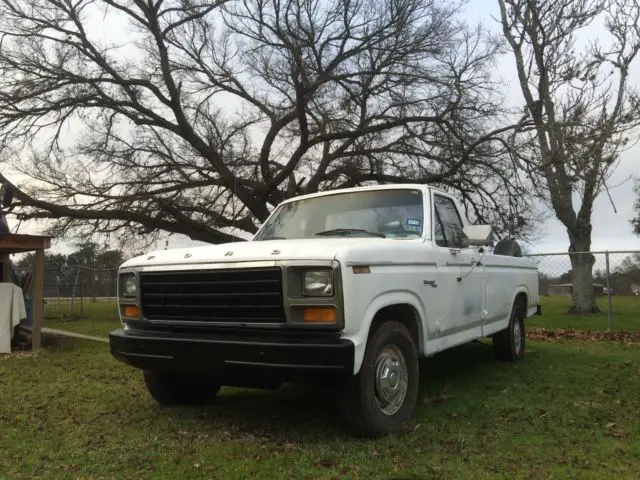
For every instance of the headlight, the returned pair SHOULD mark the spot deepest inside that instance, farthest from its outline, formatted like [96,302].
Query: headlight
[318,283]
[128,285]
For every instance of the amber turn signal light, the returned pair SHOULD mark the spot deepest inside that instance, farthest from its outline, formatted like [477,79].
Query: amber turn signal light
[131,311]
[319,315]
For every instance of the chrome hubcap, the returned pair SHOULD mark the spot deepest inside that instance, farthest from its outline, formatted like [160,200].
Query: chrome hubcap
[517,336]
[391,380]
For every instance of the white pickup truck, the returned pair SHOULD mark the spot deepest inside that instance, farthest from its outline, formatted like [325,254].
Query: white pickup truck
[350,286]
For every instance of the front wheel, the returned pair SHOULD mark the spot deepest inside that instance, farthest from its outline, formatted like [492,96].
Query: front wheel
[382,396]
[171,388]
[508,344]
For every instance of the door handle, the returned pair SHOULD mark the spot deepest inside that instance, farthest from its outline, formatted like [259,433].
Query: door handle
[431,283]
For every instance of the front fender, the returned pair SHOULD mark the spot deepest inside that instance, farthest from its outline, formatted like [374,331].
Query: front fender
[399,297]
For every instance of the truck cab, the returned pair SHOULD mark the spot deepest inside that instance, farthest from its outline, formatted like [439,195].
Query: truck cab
[350,287]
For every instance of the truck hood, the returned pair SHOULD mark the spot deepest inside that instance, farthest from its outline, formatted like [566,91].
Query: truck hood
[270,250]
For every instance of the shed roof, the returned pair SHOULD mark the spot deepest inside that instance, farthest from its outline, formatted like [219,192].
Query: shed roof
[14,243]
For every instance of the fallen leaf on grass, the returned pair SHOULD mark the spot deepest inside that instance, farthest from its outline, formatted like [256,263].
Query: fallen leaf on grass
[436,399]
[19,354]
[560,334]
[323,462]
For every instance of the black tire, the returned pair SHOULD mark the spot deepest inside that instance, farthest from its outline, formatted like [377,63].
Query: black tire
[508,247]
[171,388]
[506,346]
[363,401]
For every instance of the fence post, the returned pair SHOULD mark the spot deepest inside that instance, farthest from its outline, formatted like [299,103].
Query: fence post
[609,309]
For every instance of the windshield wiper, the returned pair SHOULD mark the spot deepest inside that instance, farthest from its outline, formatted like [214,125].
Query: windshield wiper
[349,231]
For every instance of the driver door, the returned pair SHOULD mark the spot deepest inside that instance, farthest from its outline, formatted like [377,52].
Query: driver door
[463,276]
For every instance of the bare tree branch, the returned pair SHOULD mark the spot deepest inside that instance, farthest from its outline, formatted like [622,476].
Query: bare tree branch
[199,117]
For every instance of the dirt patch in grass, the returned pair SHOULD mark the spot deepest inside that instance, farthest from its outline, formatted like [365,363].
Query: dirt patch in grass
[573,334]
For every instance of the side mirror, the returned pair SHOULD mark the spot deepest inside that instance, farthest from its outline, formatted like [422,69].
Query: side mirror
[478,235]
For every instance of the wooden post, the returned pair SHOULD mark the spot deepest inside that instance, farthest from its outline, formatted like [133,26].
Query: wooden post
[4,260]
[38,286]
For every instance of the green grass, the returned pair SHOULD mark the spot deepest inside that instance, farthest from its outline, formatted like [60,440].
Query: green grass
[626,314]
[565,411]
[99,317]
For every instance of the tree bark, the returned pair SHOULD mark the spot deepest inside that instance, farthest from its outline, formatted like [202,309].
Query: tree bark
[582,293]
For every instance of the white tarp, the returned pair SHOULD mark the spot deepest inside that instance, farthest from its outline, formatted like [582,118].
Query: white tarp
[12,310]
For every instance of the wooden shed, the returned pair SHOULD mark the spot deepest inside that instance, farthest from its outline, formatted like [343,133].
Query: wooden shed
[566,289]
[14,243]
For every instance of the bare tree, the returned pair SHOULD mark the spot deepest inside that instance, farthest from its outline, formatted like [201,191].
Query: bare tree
[199,117]
[635,222]
[581,104]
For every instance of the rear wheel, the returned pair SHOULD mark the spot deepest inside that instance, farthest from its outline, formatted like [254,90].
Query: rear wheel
[172,388]
[509,344]
[382,396]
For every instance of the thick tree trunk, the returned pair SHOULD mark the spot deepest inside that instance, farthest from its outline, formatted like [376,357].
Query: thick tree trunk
[583,295]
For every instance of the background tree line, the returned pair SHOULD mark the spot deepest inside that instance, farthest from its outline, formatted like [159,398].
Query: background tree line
[90,270]
[624,278]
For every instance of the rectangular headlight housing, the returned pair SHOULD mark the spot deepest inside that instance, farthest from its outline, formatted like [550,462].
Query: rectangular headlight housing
[128,285]
[317,283]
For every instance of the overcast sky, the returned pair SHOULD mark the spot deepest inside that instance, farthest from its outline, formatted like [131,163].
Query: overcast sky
[611,231]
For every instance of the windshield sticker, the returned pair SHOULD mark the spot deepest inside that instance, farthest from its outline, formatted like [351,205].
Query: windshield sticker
[413,225]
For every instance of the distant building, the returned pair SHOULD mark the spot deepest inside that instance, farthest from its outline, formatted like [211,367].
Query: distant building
[566,289]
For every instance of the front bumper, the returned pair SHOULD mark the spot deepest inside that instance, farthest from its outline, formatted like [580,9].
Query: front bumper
[232,355]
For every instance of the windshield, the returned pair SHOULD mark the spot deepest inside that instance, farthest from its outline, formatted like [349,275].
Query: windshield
[394,213]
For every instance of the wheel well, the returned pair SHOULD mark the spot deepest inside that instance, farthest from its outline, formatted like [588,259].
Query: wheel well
[403,313]
[521,298]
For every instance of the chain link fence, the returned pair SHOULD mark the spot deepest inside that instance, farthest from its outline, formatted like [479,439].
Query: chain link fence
[69,291]
[616,283]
